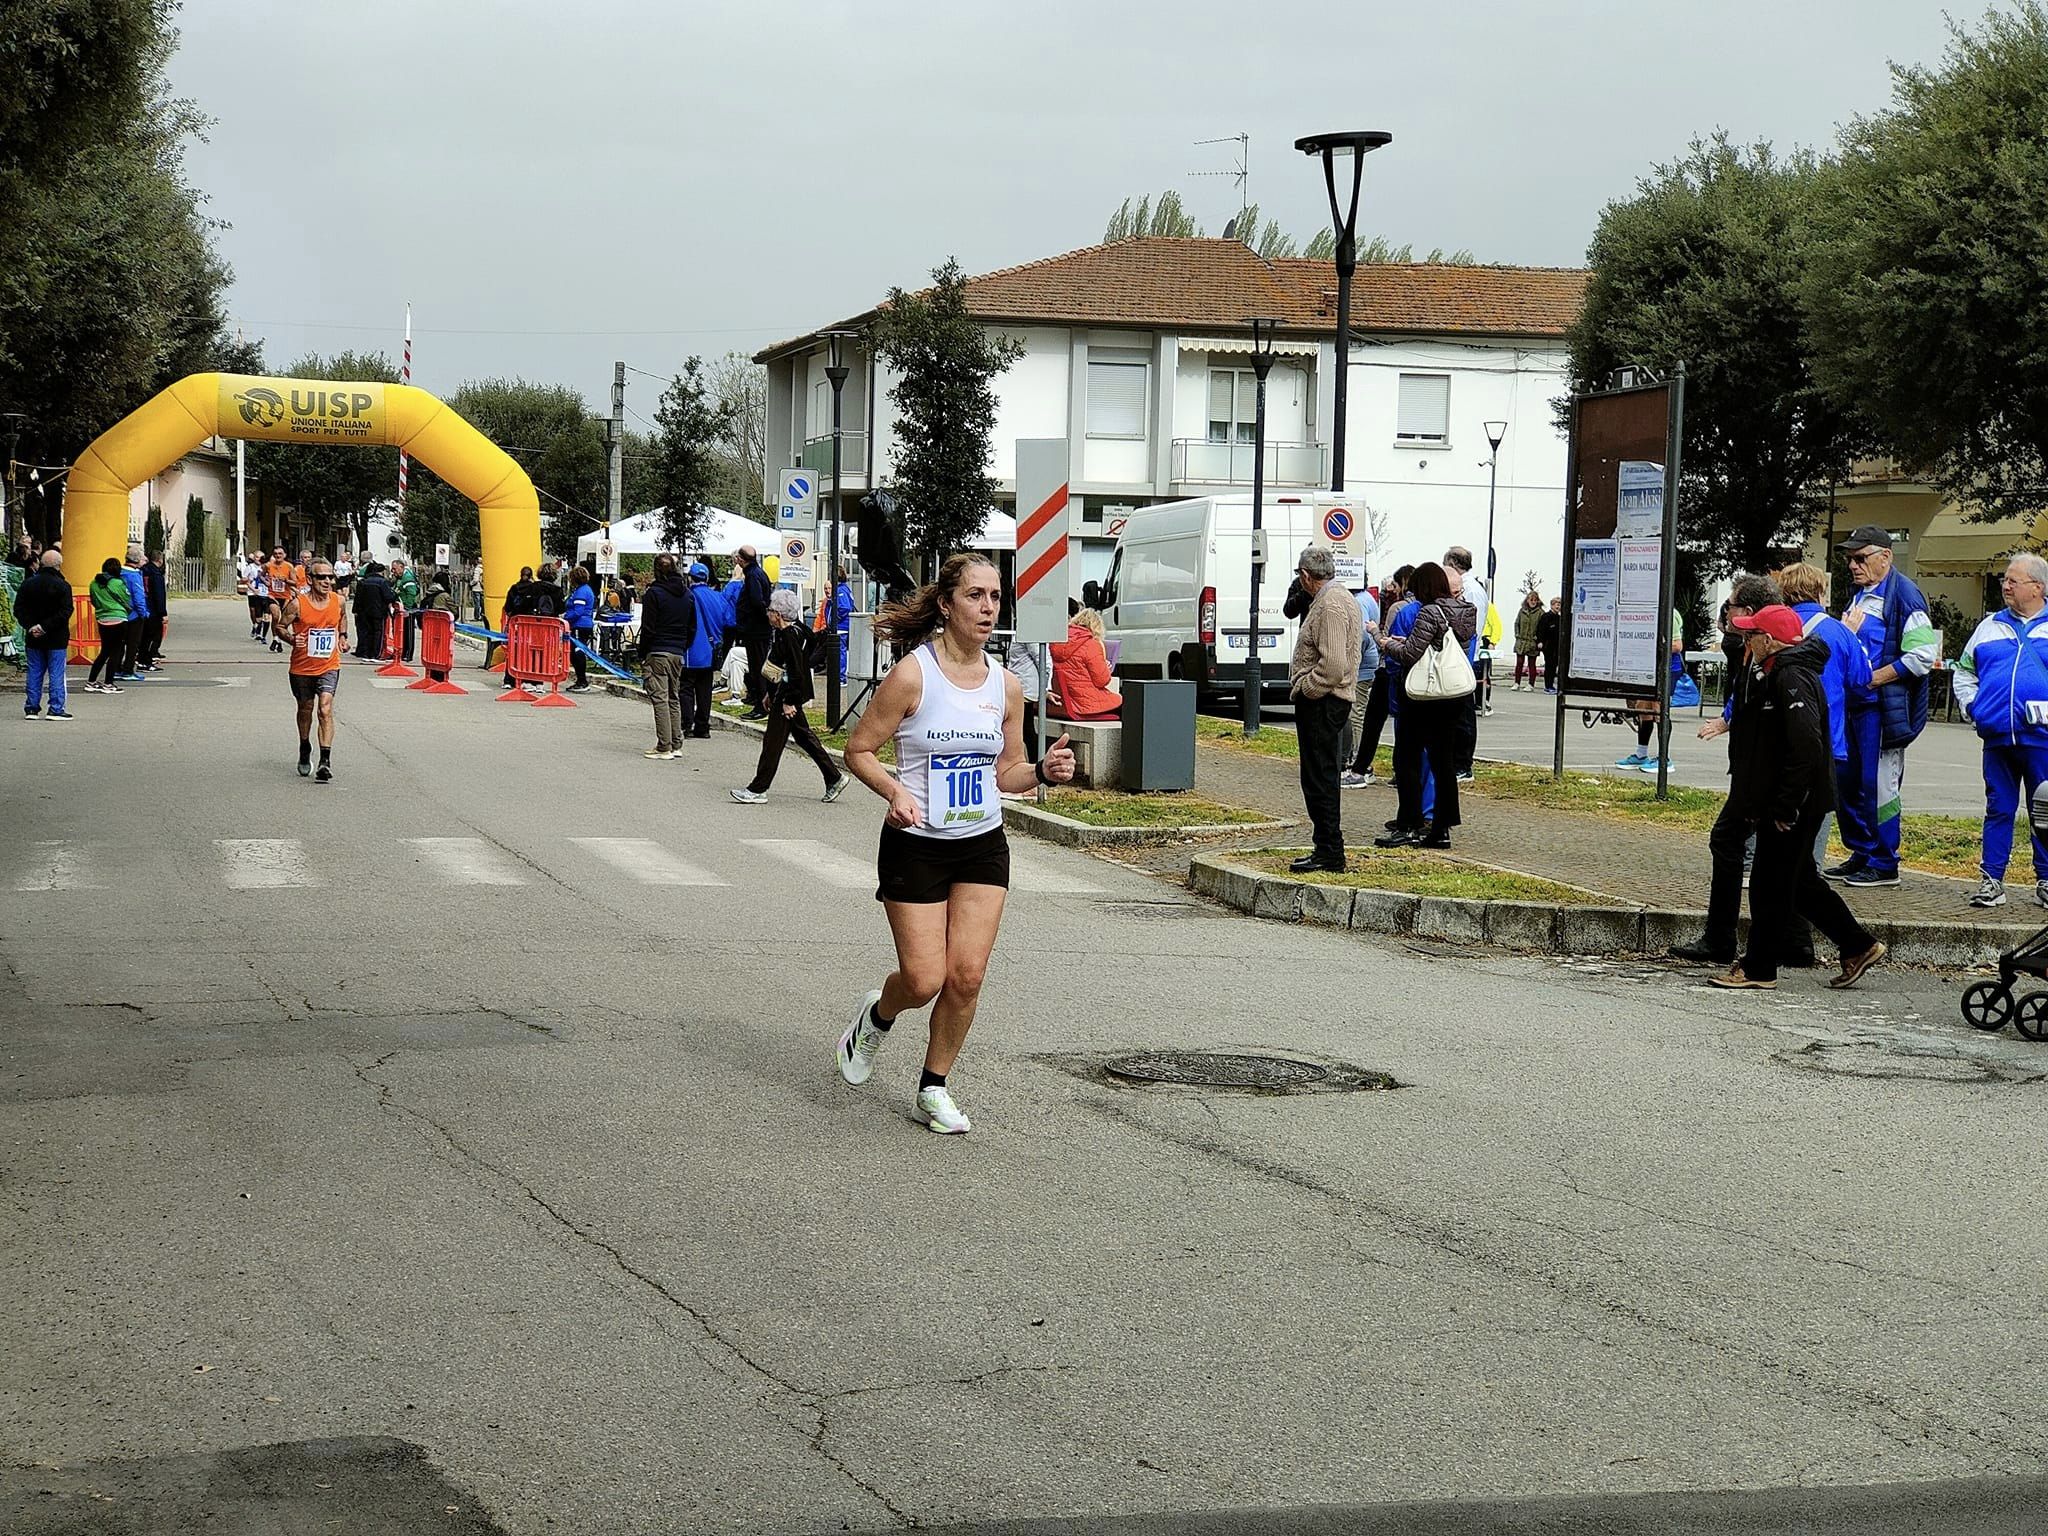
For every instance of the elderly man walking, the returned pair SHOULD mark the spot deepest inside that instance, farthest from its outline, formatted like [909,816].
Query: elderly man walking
[2002,682]
[1322,679]
[1889,616]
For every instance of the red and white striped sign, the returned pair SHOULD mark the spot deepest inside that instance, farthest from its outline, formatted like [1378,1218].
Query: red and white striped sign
[404,463]
[1045,527]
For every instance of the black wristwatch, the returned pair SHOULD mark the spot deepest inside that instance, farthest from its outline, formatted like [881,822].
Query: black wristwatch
[1038,770]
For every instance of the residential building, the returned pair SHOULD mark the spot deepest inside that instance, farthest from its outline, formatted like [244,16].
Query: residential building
[1137,353]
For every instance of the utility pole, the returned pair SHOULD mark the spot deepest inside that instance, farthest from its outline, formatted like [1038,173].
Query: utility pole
[615,450]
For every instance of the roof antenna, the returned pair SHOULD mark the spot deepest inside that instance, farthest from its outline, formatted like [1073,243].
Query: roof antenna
[1242,176]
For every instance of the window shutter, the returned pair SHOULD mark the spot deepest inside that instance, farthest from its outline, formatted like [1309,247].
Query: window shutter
[1424,413]
[1116,399]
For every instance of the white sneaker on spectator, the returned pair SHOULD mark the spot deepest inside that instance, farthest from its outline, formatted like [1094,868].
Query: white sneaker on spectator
[1990,893]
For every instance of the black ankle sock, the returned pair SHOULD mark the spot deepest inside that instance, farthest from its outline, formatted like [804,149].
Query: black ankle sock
[927,1078]
[875,1017]
[324,751]
[305,751]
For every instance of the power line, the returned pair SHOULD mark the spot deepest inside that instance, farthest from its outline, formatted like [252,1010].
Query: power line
[335,325]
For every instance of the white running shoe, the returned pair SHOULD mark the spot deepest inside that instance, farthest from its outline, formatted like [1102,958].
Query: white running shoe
[857,1047]
[940,1113]
[747,796]
[1990,893]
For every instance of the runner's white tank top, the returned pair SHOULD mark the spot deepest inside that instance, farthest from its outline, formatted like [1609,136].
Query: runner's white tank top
[946,751]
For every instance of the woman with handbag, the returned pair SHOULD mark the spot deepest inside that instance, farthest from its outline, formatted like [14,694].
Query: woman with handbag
[787,687]
[1436,723]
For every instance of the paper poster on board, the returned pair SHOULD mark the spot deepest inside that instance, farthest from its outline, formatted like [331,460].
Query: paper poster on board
[1639,511]
[1639,595]
[1596,577]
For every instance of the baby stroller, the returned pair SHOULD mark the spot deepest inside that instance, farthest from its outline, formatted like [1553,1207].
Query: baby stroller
[1990,1005]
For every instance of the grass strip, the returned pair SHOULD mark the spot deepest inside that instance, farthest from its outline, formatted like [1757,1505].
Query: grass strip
[1418,873]
[1107,808]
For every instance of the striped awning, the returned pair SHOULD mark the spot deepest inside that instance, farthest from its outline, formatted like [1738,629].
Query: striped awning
[1243,345]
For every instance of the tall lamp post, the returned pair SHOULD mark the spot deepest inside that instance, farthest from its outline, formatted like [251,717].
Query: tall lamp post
[1262,364]
[835,370]
[1350,150]
[1495,431]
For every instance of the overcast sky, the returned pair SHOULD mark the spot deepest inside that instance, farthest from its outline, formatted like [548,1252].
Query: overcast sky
[554,186]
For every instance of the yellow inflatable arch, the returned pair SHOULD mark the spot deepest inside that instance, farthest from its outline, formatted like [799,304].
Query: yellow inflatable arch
[154,436]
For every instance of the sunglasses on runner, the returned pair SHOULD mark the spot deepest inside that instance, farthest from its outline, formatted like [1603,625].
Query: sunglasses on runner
[320,575]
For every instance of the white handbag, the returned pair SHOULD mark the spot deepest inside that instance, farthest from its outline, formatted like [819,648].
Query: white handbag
[1444,672]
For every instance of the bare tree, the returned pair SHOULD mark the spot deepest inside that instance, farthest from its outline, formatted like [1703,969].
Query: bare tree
[739,389]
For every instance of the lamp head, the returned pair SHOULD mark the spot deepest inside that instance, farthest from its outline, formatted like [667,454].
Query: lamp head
[1343,145]
[1495,431]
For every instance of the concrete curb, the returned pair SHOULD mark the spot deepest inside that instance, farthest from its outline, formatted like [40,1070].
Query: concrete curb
[1541,927]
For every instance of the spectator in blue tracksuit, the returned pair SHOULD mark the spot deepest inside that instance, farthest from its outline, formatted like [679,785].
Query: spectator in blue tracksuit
[138,615]
[1400,624]
[1889,616]
[842,615]
[714,619]
[1361,702]
[2002,681]
[580,614]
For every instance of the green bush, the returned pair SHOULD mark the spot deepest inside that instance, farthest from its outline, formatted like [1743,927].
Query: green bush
[154,536]
[214,551]
[195,528]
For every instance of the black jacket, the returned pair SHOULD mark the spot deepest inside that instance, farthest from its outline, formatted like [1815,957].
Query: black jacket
[1780,756]
[668,618]
[154,589]
[751,611]
[519,598]
[45,599]
[1546,630]
[790,651]
[543,598]
[372,598]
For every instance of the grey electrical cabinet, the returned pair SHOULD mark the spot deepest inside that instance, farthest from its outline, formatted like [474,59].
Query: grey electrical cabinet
[1159,736]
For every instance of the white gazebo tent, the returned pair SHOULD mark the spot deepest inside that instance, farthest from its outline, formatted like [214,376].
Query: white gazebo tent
[723,533]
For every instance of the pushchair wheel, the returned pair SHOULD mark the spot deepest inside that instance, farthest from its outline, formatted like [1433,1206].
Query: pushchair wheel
[1988,1005]
[2030,1018]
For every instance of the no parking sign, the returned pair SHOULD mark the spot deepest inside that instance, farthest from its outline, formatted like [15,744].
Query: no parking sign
[797,554]
[1337,525]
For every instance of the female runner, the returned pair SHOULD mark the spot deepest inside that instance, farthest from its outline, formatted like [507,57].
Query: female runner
[944,864]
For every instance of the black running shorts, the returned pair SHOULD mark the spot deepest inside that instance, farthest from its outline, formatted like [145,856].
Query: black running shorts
[923,870]
[307,689]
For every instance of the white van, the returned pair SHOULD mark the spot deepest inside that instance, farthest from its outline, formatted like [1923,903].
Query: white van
[1178,594]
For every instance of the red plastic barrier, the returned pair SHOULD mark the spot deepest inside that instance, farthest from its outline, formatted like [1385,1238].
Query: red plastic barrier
[85,630]
[394,644]
[437,653]
[537,651]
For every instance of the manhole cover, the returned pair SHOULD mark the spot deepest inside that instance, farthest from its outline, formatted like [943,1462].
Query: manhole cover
[1154,909]
[1865,1059]
[1205,1069]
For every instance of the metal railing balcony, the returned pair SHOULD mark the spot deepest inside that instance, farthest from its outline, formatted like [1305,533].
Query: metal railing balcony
[1197,462]
[816,454]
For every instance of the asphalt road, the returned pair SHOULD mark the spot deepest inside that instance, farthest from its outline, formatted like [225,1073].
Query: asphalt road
[399,1155]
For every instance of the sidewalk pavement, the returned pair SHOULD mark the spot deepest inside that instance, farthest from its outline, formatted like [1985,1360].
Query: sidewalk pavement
[1633,862]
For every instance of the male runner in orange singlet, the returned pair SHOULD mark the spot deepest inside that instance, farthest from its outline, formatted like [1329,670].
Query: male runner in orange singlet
[316,625]
[280,577]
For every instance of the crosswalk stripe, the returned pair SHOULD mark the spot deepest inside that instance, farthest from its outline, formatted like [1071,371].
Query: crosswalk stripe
[1039,872]
[819,860]
[59,866]
[645,860]
[263,863]
[467,860]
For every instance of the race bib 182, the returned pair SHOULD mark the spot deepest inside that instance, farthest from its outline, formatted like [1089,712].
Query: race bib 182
[320,643]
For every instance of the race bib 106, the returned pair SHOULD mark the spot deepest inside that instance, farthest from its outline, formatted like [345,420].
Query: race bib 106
[963,786]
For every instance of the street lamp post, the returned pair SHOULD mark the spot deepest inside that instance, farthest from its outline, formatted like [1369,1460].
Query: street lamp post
[1495,431]
[835,370]
[1350,148]
[1262,364]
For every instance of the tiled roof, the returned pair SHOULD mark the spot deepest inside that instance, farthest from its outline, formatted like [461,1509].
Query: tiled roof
[1156,282]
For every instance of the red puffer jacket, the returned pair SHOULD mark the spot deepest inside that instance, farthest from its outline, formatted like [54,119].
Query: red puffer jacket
[1080,676]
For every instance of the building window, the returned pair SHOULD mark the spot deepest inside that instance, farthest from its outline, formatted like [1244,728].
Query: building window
[1233,405]
[1116,399]
[1423,418]
[821,409]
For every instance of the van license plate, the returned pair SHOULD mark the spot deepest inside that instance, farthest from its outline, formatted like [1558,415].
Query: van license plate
[1242,640]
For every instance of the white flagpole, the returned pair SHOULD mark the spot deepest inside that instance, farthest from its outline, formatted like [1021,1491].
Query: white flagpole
[405,377]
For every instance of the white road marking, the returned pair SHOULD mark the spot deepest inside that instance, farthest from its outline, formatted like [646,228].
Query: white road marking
[821,861]
[263,863]
[1033,869]
[59,866]
[645,860]
[467,860]
[233,682]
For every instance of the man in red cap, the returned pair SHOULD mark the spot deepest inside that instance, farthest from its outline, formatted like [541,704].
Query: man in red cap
[1782,781]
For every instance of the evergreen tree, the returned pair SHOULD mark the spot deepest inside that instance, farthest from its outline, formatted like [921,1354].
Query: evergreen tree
[946,365]
[690,425]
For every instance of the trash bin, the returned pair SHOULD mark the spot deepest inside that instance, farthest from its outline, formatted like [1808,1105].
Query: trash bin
[1158,736]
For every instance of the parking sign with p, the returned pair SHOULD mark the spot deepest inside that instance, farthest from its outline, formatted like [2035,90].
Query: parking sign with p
[796,509]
